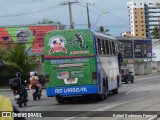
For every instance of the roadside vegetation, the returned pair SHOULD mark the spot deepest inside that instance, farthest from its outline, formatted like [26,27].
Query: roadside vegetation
[14,58]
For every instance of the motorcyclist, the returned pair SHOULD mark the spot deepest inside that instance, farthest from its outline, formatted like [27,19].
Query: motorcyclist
[21,85]
[33,75]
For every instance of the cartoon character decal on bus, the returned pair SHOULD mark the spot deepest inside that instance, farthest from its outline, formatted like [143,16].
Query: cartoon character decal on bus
[57,44]
[78,38]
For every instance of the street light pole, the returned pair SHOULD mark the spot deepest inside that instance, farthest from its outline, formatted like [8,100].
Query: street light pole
[104,12]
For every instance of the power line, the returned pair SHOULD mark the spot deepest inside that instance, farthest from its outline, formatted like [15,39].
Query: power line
[32,12]
[110,17]
[101,9]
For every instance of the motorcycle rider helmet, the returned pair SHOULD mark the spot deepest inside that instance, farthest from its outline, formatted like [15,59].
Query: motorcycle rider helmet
[18,74]
[32,73]
[35,73]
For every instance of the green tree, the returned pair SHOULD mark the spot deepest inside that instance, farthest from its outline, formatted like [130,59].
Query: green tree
[155,34]
[46,21]
[16,57]
[103,30]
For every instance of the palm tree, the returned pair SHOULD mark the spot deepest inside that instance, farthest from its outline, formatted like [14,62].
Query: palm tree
[155,34]
[103,30]
[16,57]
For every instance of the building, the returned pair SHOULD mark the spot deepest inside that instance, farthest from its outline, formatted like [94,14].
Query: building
[144,15]
[126,34]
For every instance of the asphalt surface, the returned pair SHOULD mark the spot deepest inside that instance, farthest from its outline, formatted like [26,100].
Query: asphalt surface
[143,95]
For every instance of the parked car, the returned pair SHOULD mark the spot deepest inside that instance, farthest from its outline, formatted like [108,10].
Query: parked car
[126,76]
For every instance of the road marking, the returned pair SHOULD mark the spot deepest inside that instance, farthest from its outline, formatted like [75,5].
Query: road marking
[101,109]
[148,87]
[132,90]
[69,118]
[11,98]
[33,108]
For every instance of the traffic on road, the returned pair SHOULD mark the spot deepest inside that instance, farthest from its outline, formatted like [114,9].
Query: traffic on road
[136,99]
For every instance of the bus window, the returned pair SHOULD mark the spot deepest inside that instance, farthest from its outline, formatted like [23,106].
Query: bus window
[113,47]
[99,46]
[103,47]
[110,46]
[107,46]
[116,47]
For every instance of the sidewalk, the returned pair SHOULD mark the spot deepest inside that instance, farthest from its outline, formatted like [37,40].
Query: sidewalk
[152,74]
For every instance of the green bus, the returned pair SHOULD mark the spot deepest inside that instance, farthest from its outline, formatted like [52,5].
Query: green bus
[79,63]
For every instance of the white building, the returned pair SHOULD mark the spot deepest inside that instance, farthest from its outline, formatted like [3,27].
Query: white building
[156,49]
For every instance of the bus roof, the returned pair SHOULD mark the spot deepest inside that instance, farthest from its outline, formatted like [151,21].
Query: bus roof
[104,36]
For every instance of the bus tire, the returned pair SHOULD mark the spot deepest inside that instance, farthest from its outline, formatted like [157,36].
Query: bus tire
[60,101]
[104,95]
[115,91]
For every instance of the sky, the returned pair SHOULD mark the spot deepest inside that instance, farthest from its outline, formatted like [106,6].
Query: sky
[112,14]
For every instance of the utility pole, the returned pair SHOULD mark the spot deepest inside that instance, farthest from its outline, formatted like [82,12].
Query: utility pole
[87,5]
[89,22]
[69,3]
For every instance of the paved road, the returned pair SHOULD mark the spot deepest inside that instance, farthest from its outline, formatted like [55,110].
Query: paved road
[143,95]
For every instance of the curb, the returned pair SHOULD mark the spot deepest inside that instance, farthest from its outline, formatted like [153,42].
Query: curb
[153,74]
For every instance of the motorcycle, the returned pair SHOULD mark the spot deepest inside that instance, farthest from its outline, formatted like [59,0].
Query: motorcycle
[20,97]
[18,91]
[35,93]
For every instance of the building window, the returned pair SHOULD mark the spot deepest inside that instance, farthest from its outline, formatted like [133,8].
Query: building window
[141,12]
[142,29]
[134,3]
[135,13]
[140,3]
[141,16]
